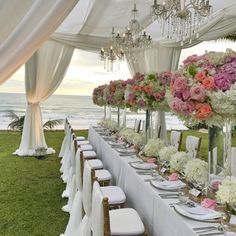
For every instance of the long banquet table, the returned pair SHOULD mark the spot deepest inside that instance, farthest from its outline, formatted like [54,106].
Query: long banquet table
[159,218]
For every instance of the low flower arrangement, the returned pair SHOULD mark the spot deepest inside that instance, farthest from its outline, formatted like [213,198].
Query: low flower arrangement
[148,92]
[153,147]
[196,170]
[109,124]
[203,90]
[98,96]
[130,136]
[178,162]
[227,191]
[166,152]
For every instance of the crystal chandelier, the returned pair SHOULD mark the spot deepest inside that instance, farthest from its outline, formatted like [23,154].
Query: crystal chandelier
[133,37]
[181,19]
[110,56]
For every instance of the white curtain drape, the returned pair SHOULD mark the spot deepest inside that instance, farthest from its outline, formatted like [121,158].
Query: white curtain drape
[44,73]
[155,59]
[26,28]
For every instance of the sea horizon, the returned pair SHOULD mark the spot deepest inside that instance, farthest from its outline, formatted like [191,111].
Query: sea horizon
[78,109]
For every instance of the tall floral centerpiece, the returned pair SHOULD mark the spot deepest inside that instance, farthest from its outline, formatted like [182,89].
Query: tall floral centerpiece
[114,95]
[203,90]
[98,97]
[148,92]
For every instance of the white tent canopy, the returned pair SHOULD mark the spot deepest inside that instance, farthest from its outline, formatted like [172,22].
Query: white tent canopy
[88,27]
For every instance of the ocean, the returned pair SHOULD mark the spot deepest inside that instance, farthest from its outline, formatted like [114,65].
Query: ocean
[80,111]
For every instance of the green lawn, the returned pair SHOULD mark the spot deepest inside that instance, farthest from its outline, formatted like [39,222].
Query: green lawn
[30,190]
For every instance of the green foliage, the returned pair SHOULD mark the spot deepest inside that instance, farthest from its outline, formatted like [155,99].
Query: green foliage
[17,122]
[51,124]
[151,76]
[30,189]
[192,70]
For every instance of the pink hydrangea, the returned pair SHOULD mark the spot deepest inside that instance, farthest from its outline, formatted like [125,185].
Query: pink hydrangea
[197,92]
[222,81]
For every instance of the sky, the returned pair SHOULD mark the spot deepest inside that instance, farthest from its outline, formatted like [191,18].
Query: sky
[86,71]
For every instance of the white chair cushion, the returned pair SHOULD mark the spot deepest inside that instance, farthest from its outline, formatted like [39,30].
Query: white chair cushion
[86,147]
[83,142]
[102,175]
[95,164]
[114,194]
[125,222]
[79,138]
[89,154]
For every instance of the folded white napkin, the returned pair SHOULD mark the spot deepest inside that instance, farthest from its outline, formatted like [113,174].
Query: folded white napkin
[198,212]
[168,185]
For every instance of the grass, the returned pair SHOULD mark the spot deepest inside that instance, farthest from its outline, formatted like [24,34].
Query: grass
[30,190]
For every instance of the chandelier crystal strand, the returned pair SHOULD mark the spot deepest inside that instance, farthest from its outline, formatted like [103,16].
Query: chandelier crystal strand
[134,37]
[181,19]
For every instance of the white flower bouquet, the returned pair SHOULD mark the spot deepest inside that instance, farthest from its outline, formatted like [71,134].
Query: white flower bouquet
[153,147]
[166,152]
[110,124]
[178,161]
[196,170]
[227,191]
[127,134]
[138,140]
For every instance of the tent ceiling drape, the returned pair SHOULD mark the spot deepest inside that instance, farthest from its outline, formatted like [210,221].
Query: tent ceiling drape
[28,28]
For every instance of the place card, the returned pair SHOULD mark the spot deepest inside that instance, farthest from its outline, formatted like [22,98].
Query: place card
[163,170]
[194,192]
[233,220]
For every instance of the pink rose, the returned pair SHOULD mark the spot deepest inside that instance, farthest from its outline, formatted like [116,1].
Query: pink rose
[208,203]
[151,160]
[186,94]
[180,84]
[187,107]
[215,184]
[200,76]
[176,105]
[197,92]
[173,177]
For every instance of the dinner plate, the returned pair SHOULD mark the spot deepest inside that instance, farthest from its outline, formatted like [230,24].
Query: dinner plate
[116,144]
[198,213]
[143,165]
[168,185]
[123,150]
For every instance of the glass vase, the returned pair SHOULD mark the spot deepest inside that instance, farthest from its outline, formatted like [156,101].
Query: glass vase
[118,117]
[148,126]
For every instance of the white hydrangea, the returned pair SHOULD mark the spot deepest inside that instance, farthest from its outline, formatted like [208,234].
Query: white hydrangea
[153,146]
[127,134]
[227,191]
[196,170]
[138,140]
[166,152]
[178,161]
[110,124]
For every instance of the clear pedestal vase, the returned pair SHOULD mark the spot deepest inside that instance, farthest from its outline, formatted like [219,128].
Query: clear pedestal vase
[215,149]
[108,113]
[118,117]
[219,151]
[123,118]
[105,113]
[227,145]
[148,125]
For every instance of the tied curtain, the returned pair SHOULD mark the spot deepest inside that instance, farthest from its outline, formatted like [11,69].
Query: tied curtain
[25,25]
[44,72]
[158,58]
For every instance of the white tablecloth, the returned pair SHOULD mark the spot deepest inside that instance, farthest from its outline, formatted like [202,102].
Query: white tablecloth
[159,218]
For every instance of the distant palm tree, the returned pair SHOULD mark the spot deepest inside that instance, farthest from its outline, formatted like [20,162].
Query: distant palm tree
[17,122]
